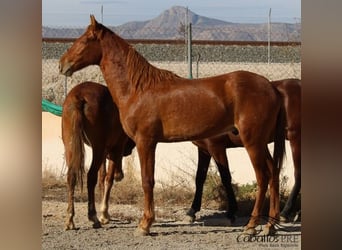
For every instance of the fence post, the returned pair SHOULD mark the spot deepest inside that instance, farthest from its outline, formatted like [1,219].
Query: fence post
[269,37]
[197,63]
[189,51]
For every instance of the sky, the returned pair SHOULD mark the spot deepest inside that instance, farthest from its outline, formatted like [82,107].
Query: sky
[75,13]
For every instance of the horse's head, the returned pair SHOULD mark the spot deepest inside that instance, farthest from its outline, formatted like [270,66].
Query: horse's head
[86,50]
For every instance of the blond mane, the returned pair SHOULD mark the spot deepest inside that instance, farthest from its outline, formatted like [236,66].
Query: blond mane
[142,74]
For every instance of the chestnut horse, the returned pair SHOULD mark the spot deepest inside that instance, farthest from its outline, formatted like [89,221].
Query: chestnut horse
[290,90]
[90,116]
[156,105]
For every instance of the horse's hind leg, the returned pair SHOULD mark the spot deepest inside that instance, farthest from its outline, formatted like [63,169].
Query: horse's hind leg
[290,203]
[102,176]
[108,182]
[226,179]
[92,180]
[273,218]
[71,179]
[201,174]
[257,157]
[114,166]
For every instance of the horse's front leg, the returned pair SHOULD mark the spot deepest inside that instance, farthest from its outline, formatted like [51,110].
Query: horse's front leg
[146,151]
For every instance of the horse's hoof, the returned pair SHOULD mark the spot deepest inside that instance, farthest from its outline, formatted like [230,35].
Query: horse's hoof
[232,219]
[69,226]
[268,231]
[190,216]
[249,231]
[141,232]
[104,220]
[118,176]
[104,217]
[189,219]
[297,217]
[97,225]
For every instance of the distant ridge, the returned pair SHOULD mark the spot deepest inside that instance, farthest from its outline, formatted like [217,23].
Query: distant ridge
[168,25]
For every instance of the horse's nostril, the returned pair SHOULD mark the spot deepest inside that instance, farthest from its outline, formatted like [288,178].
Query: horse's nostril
[60,66]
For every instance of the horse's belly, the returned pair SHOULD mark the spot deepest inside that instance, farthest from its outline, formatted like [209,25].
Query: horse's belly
[197,125]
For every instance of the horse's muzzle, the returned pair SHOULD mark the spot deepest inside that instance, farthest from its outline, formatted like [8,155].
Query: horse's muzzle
[65,68]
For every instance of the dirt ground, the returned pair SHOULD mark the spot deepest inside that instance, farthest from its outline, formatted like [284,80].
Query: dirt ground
[211,230]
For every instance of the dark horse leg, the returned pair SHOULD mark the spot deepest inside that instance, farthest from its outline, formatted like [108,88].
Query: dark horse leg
[98,159]
[226,179]
[202,169]
[201,175]
[290,203]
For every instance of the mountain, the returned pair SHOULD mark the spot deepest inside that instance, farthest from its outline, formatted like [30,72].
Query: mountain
[170,25]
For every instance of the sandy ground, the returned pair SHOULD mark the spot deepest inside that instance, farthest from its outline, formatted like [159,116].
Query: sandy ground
[211,230]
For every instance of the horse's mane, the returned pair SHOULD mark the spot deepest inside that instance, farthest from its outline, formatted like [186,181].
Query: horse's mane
[142,74]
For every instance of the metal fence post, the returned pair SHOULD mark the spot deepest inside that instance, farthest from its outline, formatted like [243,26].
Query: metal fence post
[189,51]
[269,37]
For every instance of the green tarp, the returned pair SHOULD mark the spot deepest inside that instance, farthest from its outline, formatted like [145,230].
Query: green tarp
[51,107]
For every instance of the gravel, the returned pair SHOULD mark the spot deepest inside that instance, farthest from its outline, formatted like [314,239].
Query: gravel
[210,231]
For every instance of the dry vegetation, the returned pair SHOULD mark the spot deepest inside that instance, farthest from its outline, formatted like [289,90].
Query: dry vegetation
[129,192]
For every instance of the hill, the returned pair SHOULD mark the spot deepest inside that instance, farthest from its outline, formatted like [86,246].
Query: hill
[170,25]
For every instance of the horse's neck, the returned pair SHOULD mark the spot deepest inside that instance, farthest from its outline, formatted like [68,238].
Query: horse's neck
[113,67]
[116,82]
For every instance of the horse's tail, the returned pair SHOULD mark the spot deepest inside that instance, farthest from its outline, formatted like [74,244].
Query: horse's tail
[75,158]
[279,138]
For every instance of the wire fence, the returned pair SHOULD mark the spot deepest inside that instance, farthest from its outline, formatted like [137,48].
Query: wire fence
[212,53]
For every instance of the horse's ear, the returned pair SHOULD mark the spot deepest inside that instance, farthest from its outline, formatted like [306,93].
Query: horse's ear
[93,21]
